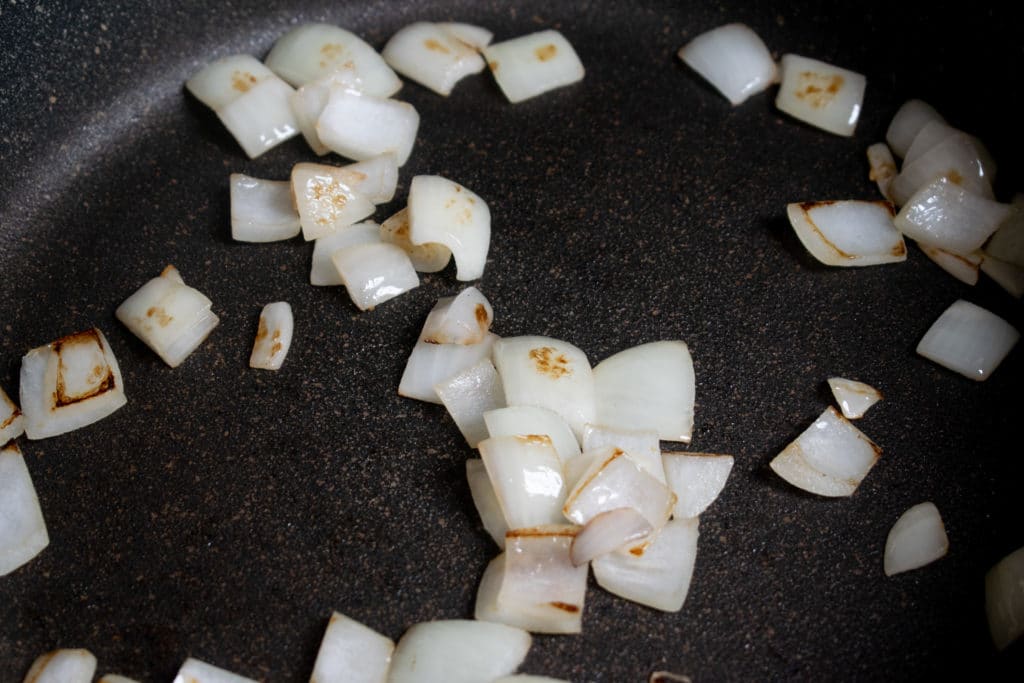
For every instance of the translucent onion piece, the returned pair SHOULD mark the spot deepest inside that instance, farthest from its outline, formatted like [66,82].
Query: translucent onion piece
[966,339]
[468,395]
[313,51]
[1007,275]
[444,212]
[352,652]
[323,273]
[462,319]
[830,458]
[476,37]
[527,478]
[547,373]
[262,210]
[651,386]
[114,678]
[1007,243]
[431,56]
[696,479]
[854,398]
[1004,599]
[608,532]
[660,578]
[911,117]
[526,420]
[274,336]
[326,199]
[486,501]
[376,177]
[531,65]
[172,318]
[936,133]
[261,118]
[308,104]
[430,364]
[12,423]
[195,671]
[360,126]
[374,273]
[643,446]
[883,167]
[956,159]
[820,94]
[63,666]
[848,233]
[426,258]
[943,214]
[70,383]
[222,82]
[732,58]
[917,538]
[964,267]
[22,528]
[458,651]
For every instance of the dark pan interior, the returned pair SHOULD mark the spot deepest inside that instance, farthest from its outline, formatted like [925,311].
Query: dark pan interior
[224,512]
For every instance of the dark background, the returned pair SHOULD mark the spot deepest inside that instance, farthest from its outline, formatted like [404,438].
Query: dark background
[224,512]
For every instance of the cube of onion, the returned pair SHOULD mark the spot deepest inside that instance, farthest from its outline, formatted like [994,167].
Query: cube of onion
[732,58]
[461,319]
[172,318]
[307,104]
[445,212]
[533,64]
[468,395]
[696,479]
[848,233]
[22,528]
[374,273]
[820,94]
[458,651]
[527,478]
[486,501]
[883,168]
[957,158]
[273,337]
[322,272]
[1004,599]
[526,420]
[908,121]
[426,258]
[326,199]
[432,56]
[352,652]
[607,532]
[262,210]
[70,383]
[917,538]
[196,671]
[223,81]
[12,423]
[63,666]
[969,340]
[361,126]
[376,177]
[935,134]
[964,267]
[642,445]
[854,398]
[945,215]
[430,364]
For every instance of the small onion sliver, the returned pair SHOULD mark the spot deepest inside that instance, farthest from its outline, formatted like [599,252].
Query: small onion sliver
[23,532]
[608,532]
[273,337]
[969,340]
[882,167]
[964,267]
[461,319]
[197,671]
[908,121]
[1004,599]
[445,212]
[468,395]
[696,479]
[458,651]
[63,666]
[352,652]
[854,398]
[848,233]
[486,501]
[917,538]
[430,257]
[322,272]
[262,210]
[734,59]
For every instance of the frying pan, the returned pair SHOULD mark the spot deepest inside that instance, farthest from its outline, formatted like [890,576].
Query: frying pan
[225,512]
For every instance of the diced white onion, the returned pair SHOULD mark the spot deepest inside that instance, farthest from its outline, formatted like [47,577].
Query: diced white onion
[820,94]
[376,177]
[530,65]
[374,273]
[352,652]
[323,273]
[426,258]
[22,528]
[476,37]
[431,56]
[956,159]
[526,420]
[969,340]
[917,538]
[196,671]
[12,423]
[732,58]
[361,126]
[262,210]
[608,532]
[911,117]
[223,81]
[1007,242]
[830,458]
[486,501]
[943,214]
[854,398]
[307,104]
[651,386]
[326,199]
[696,479]
[1007,275]
[1004,599]
[172,318]
[274,336]
[458,651]
[468,395]
[527,478]
[430,364]
[462,319]
[935,133]
[964,267]
[445,212]
[261,118]
[848,233]
[70,383]
[64,666]
[642,445]
[883,167]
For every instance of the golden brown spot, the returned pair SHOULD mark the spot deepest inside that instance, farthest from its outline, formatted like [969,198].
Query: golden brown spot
[482,318]
[818,90]
[806,208]
[162,318]
[548,363]
[39,667]
[168,271]
[493,66]
[546,52]
[542,439]
[242,81]
[553,531]
[331,51]
[15,414]
[102,382]
[565,607]
[432,44]
[465,216]
[899,249]
[261,333]
[955,177]
[277,346]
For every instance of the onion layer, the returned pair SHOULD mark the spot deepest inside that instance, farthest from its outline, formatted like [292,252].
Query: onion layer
[1004,599]
[274,336]
[732,58]
[854,398]
[458,651]
[917,538]
[969,340]
[444,212]
[531,65]
[22,528]
[848,233]
[944,214]
[432,56]
[262,210]
[64,666]
[196,671]
[820,94]
[352,652]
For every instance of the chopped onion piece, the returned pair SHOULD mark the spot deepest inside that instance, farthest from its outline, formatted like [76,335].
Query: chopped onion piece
[262,210]
[696,479]
[274,336]
[476,37]
[261,118]
[1007,275]
[1004,599]
[172,318]
[957,159]
[352,652]
[431,56]
[854,398]
[70,383]
[64,666]
[943,214]
[936,133]
[313,51]
[376,177]
[608,532]
[307,104]
[361,126]
[114,678]
[374,273]
[830,458]
[967,339]
[486,501]
[911,117]
[527,478]
[195,671]
[848,233]
[964,267]
[225,80]
[659,578]
[821,94]
[458,651]
[22,528]
[323,273]
[917,538]
[525,420]
[12,423]
[462,319]
[426,258]
[651,386]
[326,199]
[530,65]
[547,373]
[468,395]
[430,364]
[732,58]
[883,167]
[1007,242]
[642,445]
[444,212]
